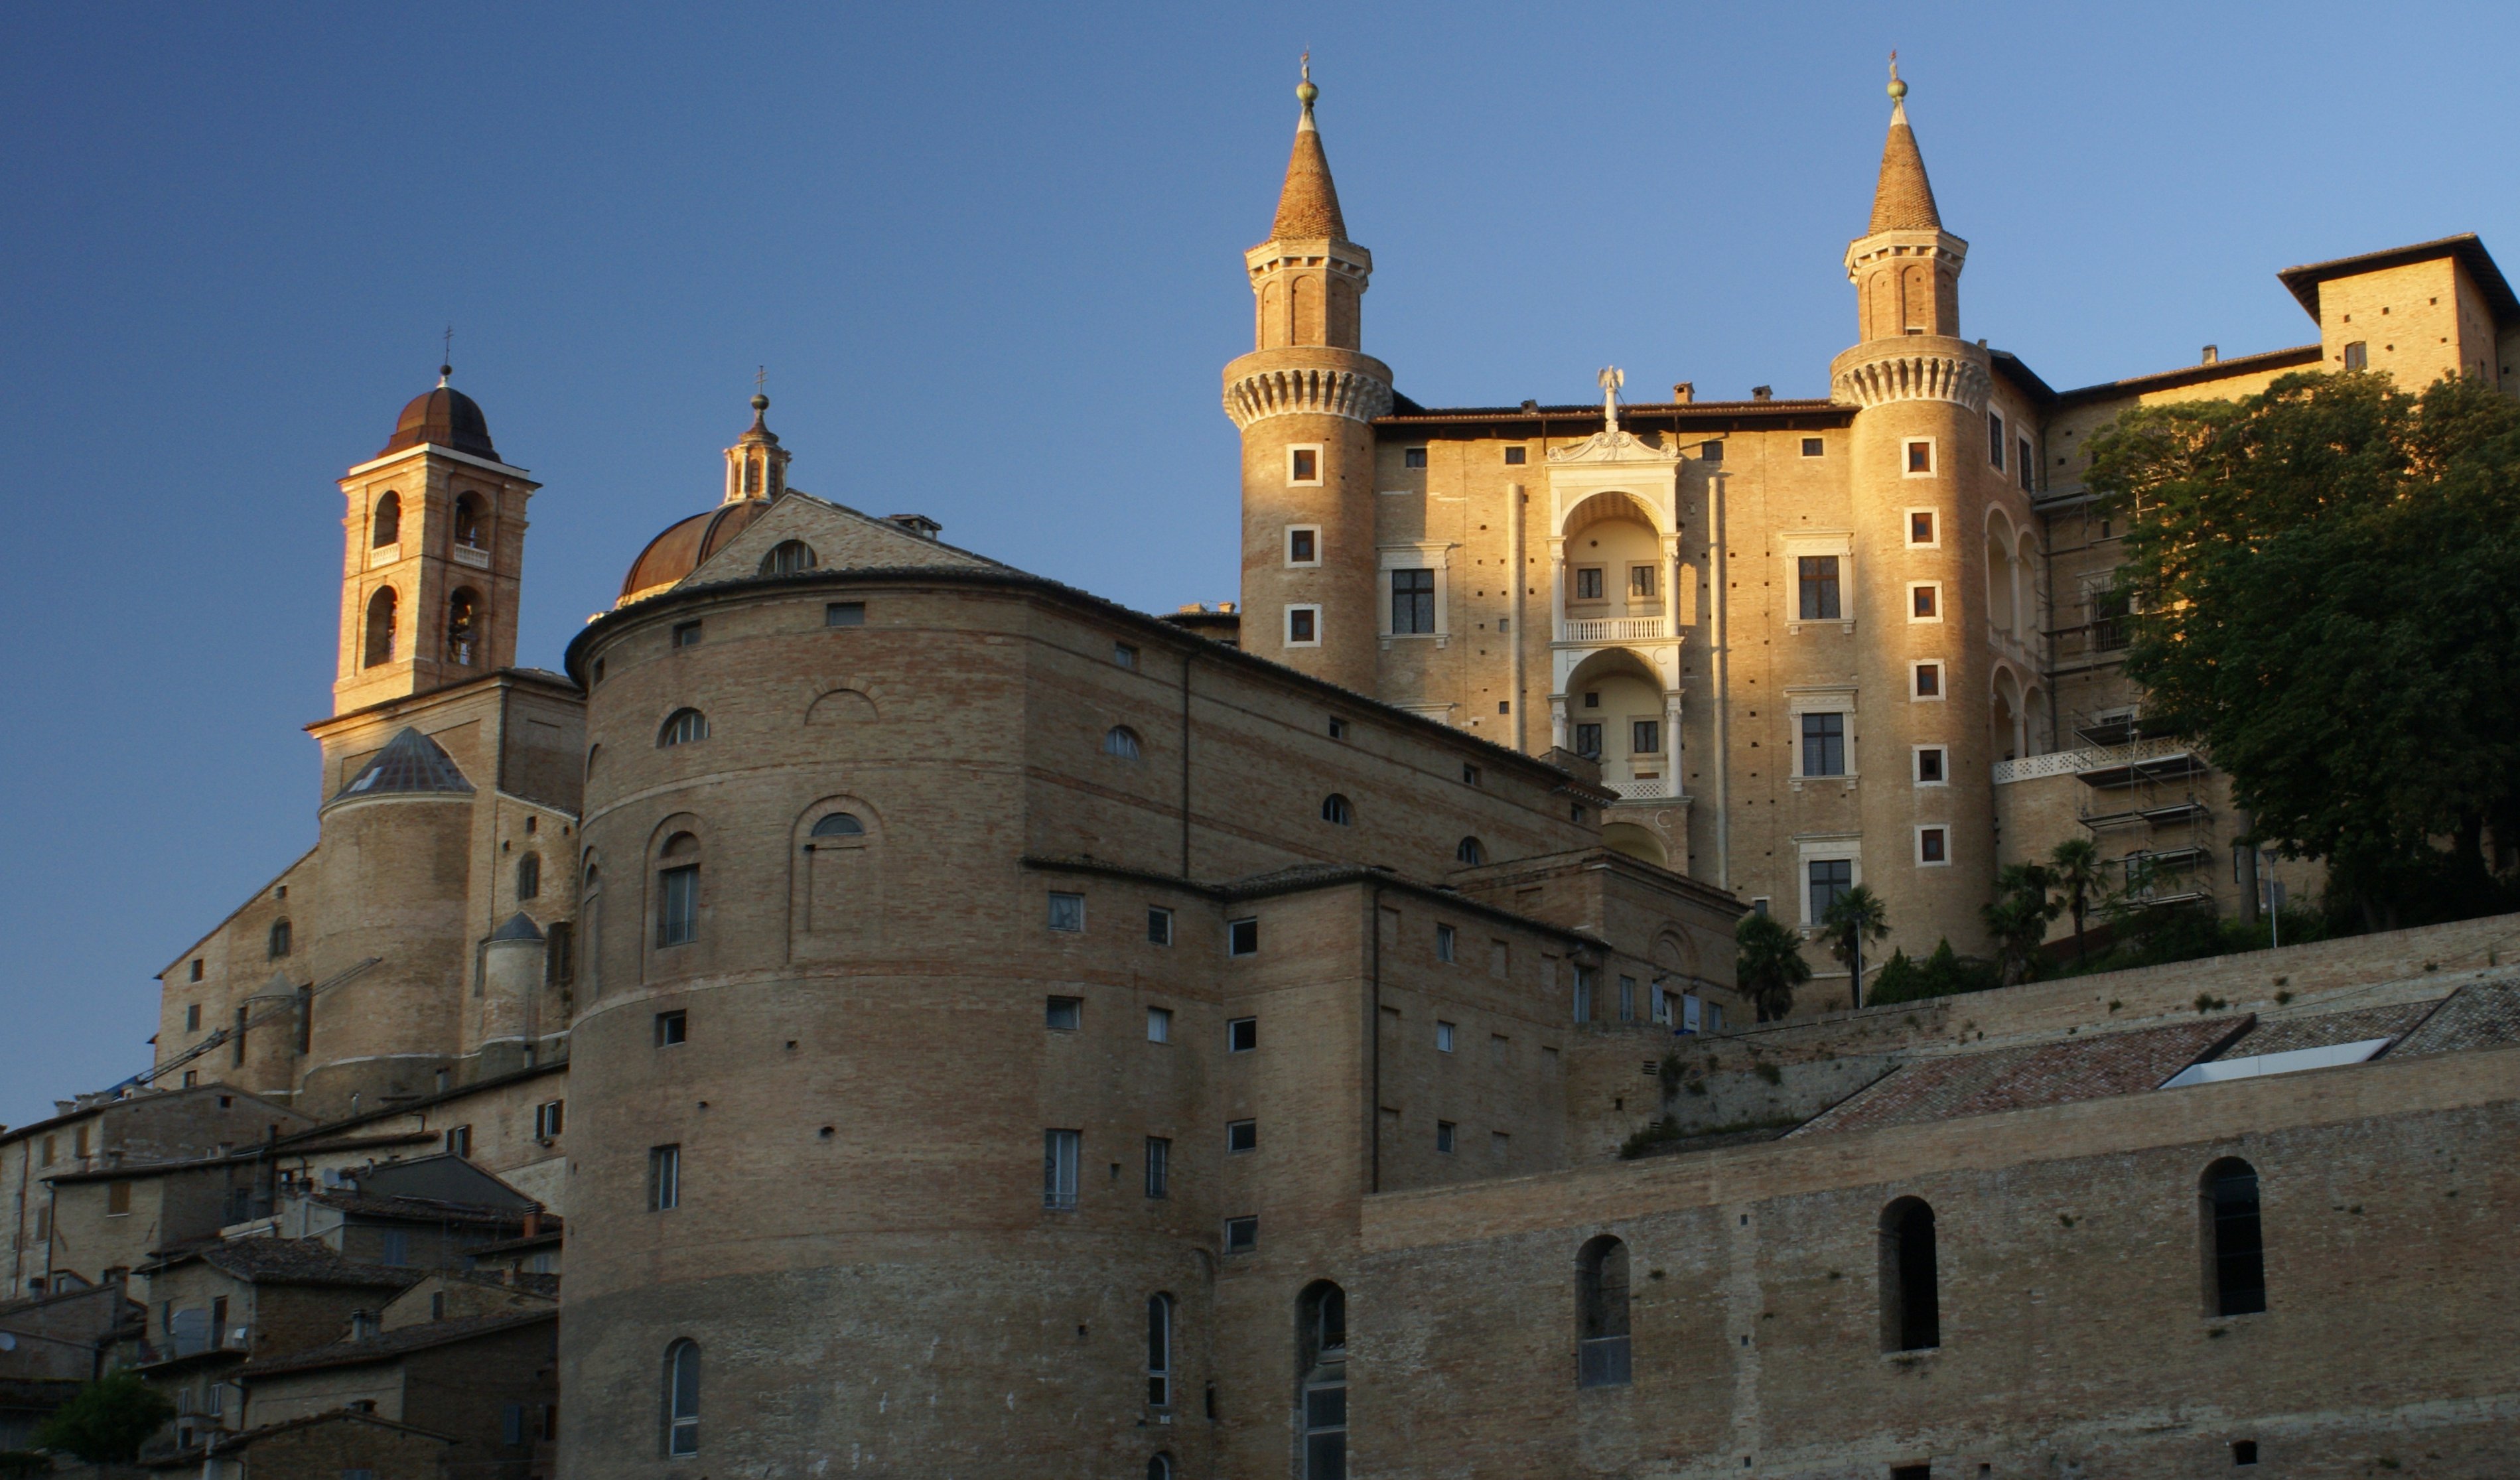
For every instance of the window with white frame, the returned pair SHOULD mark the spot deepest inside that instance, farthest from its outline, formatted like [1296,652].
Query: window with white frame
[1819,577]
[1821,735]
[1925,680]
[1067,912]
[1159,925]
[1061,1151]
[1587,583]
[1303,545]
[1826,867]
[1644,584]
[1413,603]
[1924,529]
[1303,626]
[1933,766]
[1933,844]
[1919,459]
[1304,463]
[1925,600]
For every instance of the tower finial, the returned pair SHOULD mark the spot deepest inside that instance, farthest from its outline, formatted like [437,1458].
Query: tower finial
[446,362]
[1610,379]
[1305,91]
[760,401]
[1897,89]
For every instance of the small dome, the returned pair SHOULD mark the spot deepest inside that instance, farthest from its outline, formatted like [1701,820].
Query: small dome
[447,418]
[680,550]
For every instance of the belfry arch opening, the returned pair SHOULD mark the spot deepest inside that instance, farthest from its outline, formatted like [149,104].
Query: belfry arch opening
[378,646]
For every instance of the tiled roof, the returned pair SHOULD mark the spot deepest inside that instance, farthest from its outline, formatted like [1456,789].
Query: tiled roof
[410,762]
[393,1344]
[1904,199]
[228,1443]
[1308,205]
[403,1209]
[2304,281]
[2478,1015]
[266,1259]
[2283,1035]
[2094,1067]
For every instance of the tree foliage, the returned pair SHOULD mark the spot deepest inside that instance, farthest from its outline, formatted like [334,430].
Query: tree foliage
[1944,974]
[2324,576]
[1770,965]
[107,1421]
[2017,920]
[1852,919]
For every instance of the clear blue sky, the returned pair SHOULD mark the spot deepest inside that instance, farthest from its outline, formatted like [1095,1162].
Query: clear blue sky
[991,257]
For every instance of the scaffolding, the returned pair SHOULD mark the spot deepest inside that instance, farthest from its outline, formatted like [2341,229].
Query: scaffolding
[2150,805]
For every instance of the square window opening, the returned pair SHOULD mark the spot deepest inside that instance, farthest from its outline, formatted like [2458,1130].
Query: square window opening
[1814,447]
[1067,913]
[1241,1235]
[672,1028]
[1241,1035]
[1241,1136]
[1242,937]
[1515,457]
[1159,1025]
[844,614]
[1413,458]
[1063,1015]
[1159,925]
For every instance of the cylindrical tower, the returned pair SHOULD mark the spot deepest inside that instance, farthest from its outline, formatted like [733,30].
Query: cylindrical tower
[1304,400]
[511,979]
[1919,488]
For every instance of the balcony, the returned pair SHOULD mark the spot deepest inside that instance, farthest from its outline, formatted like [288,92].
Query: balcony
[1646,788]
[1614,629]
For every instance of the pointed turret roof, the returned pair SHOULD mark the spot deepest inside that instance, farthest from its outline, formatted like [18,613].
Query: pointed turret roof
[1903,200]
[1308,206]
[410,762]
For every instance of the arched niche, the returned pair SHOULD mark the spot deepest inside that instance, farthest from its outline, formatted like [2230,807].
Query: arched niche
[842,706]
[837,891]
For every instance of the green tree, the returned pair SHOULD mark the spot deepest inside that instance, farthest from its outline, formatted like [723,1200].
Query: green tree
[1770,965]
[2075,871]
[1852,919]
[2322,578]
[2018,920]
[1944,974]
[107,1421]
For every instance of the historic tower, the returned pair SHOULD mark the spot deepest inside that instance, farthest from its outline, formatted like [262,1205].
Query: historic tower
[433,544]
[1920,485]
[1304,399]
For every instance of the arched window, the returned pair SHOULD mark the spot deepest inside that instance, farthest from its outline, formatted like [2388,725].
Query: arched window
[279,939]
[788,558]
[677,891]
[1123,741]
[1159,1351]
[1470,851]
[460,609]
[468,522]
[387,527]
[530,877]
[1160,1467]
[682,1405]
[380,647]
[2235,1265]
[682,727]
[1601,1311]
[840,825]
[1321,1362]
[1910,1300]
[1335,809]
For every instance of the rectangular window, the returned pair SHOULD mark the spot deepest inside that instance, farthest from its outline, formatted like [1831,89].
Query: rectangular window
[1929,766]
[1627,999]
[1584,994]
[1995,440]
[459,1140]
[1933,845]
[1499,1048]
[1925,602]
[1929,680]
[2357,356]
[394,1247]
[678,905]
[1469,775]
[548,1119]
[1920,457]
[1712,452]
[1814,447]
[1063,1015]
[1444,1138]
[197,969]
[1303,547]
[687,634]
[844,614]
[512,1424]
[1241,1136]
[672,1028]
[1587,740]
[1644,737]
[664,1178]
[1241,1235]
[1067,913]
[1816,574]
[1516,456]
[1447,943]
[1443,1038]
[1159,1166]
[1413,601]
[1241,1035]
[1641,582]
[1303,464]
[1337,727]
[1499,1144]
[1759,906]
[2021,465]
[1242,937]
[1060,1153]
[1824,744]
[117,1199]
[1830,878]
[192,1018]
[1413,457]
[1159,1025]
[1124,655]
[1303,626]
[1921,527]
[1587,583]
[1159,925]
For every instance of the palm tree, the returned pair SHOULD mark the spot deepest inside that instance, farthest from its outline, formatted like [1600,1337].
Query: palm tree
[1850,918]
[2075,867]
[1770,966]
[2018,920]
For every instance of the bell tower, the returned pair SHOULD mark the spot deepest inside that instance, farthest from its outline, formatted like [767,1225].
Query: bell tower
[433,545]
[1305,399]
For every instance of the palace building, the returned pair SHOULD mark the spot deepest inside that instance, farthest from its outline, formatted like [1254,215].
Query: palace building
[972,1027]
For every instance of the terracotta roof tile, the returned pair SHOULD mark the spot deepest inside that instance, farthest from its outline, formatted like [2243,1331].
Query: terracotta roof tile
[1308,205]
[2479,1016]
[2327,1029]
[2021,1079]
[1904,199]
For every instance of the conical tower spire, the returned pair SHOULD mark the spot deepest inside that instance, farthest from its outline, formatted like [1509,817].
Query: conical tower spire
[1903,200]
[1308,206]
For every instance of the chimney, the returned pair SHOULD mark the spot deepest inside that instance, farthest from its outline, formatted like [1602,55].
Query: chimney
[919,525]
[2213,353]
[1763,393]
[1684,394]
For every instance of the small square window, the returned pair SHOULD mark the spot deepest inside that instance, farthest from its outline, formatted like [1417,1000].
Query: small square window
[1925,602]
[1303,626]
[1065,1014]
[2244,1452]
[1587,583]
[1515,457]
[1413,458]
[1469,775]
[1921,527]
[1444,1138]
[1499,1144]
[1933,845]
[1447,942]
[1303,547]
[844,614]
[1241,1235]
[1241,1035]
[1920,459]
[1303,464]
[1337,727]
[1242,937]
[1930,761]
[1067,911]
[1124,655]
[672,1028]
[1814,447]
[1241,1136]
[687,634]
[1159,925]
[1159,1025]
[1929,680]
[1712,452]
[1443,1038]
[1759,906]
